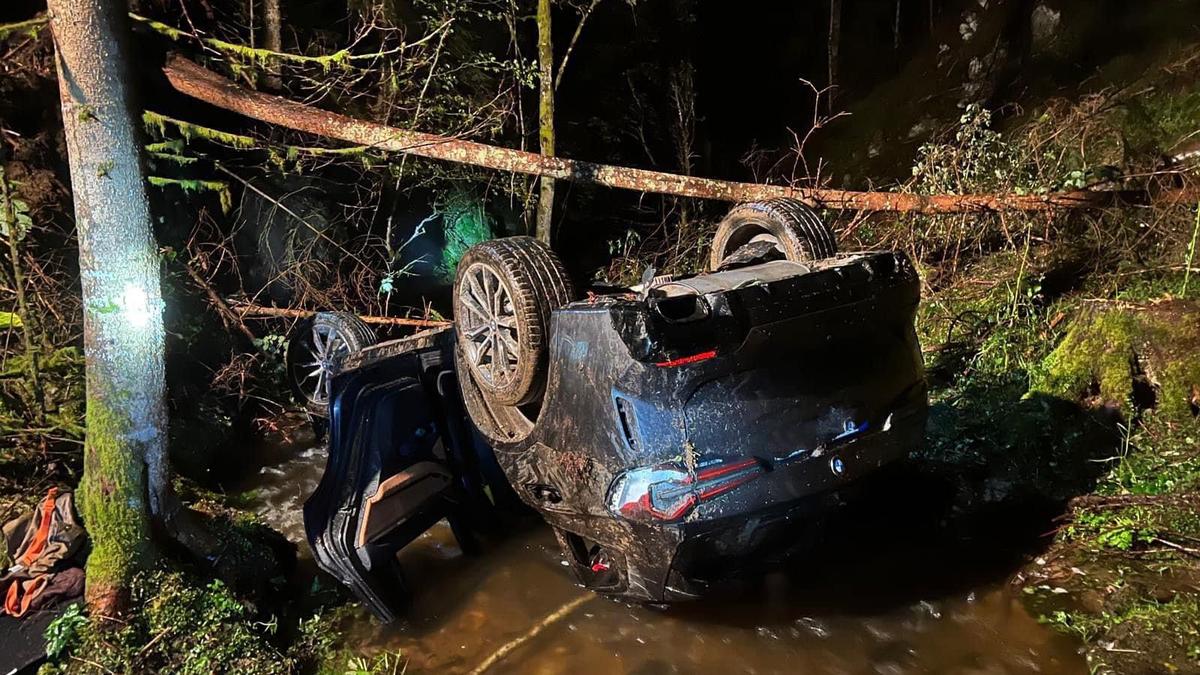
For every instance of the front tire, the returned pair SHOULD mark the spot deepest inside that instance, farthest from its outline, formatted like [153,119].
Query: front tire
[314,350]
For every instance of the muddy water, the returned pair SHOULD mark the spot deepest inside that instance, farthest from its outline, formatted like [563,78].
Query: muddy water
[885,595]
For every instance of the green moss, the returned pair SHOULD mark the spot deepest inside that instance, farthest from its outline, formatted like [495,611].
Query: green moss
[288,157]
[29,28]
[184,625]
[112,499]
[1110,346]
[181,160]
[1145,636]
[256,56]
[1096,350]
[157,123]
[221,189]
[284,157]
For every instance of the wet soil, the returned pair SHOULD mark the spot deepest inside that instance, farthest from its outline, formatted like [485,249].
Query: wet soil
[893,588]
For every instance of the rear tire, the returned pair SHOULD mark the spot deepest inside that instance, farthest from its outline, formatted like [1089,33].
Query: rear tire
[795,230]
[504,291]
[500,425]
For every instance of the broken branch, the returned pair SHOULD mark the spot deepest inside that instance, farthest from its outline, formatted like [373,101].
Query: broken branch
[508,647]
[232,321]
[198,82]
[252,311]
[1116,501]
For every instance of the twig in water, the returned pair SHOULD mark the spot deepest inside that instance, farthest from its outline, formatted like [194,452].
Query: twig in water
[509,646]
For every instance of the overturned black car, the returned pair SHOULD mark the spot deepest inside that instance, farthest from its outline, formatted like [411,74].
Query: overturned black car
[664,431]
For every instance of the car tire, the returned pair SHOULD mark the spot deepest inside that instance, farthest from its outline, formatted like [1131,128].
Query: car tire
[795,230]
[500,425]
[313,351]
[504,291]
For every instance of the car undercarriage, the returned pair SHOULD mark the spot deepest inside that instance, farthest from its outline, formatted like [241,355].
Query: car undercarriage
[666,432]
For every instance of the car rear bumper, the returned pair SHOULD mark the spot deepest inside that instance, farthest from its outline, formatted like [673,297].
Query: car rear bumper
[667,562]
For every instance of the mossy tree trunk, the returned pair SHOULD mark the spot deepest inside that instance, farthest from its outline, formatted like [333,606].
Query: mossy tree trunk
[119,270]
[545,214]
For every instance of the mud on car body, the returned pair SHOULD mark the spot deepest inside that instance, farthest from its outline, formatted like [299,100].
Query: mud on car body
[666,432]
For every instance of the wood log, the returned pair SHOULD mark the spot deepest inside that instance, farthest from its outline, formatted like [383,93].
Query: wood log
[198,82]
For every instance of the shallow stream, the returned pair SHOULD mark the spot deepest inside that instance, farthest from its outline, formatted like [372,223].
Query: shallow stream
[887,596]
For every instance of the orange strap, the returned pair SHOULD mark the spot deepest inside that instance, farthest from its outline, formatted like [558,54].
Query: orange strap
[21,594]
[43,532]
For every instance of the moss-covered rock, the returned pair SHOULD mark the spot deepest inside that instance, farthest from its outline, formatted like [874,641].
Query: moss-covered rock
[252,558]
[1129,357]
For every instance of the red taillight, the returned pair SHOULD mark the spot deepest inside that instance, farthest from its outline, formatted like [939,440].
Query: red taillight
[669,492]
[685,360]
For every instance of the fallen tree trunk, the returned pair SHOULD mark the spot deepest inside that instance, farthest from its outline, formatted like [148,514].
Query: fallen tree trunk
[198,82]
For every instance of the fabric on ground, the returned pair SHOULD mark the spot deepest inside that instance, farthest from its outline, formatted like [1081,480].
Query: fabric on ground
[42,544]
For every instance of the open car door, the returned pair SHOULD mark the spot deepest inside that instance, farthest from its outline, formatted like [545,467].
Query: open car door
[402,456]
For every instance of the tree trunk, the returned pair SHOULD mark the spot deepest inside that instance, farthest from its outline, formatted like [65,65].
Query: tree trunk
[896,28]
[834,44]
[272,40]
[205,85]
[119,274]
[545,214]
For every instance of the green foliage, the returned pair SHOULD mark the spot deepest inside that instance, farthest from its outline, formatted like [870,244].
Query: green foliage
[465,222]
[318,636]
[16,217]
[273,349]
[1156,120]
[180,625]
[386,663]
[63,632]
[62,371]
[977,160]
[1191,254]
[1169,630]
